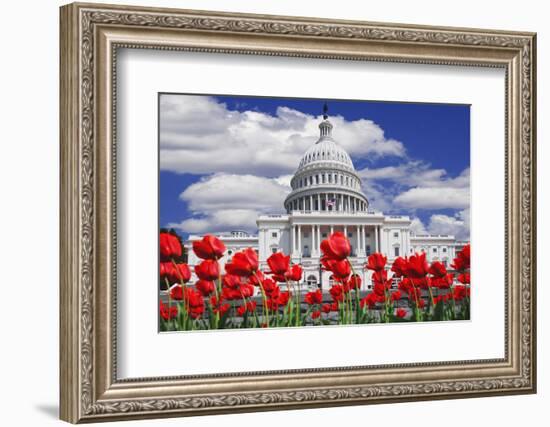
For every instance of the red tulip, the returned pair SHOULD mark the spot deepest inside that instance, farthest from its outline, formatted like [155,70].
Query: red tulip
[269,286]
[168,313]
[170,247]
[315,297]
[178,273]
[464,278]
[370,300]
[279,263]
[380,290]
[443,298]
[400,313]
[337,293]
[257,278]
[417,267]
[376,262]
[396,295]
[205,287]
[231,281]
[244,263]
[341,269]
[208,270]
[399,266]
[437,269]
[176,292]
[327,308]
[316,314]
[444,282]
[462,261]
[246,290]
[231,294]
[209,247]
[218,306]
[337,246]
[195,303]
[381,277]
[250,307]
[354,282]
[295,273]
[460,292]
[275,301]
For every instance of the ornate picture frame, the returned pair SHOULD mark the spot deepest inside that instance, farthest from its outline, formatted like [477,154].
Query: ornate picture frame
[90,37]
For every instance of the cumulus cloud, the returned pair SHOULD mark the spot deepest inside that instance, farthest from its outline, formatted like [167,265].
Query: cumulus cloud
[200,135]
[457,225]
[417,227]
[415,185]
[434,198]
[228,201]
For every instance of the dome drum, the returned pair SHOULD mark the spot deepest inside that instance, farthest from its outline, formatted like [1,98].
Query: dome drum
[326,179]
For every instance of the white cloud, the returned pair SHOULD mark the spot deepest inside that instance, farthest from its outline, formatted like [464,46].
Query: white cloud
[227,201]
[417,227]
[202,136]
[457,225]
[414,185]
[434,198]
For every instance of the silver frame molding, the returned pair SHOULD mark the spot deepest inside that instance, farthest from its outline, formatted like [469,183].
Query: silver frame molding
[90,37]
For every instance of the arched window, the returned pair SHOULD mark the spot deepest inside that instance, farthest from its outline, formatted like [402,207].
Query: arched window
[311,280]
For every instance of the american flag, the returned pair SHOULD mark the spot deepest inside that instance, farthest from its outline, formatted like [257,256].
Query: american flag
[331,202]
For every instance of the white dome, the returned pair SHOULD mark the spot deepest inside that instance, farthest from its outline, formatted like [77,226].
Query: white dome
[326,179]
[326,150]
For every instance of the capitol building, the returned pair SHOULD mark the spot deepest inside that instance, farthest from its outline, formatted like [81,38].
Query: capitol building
[326,196]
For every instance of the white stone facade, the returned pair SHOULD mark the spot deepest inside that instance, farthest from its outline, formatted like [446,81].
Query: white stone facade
[326,196]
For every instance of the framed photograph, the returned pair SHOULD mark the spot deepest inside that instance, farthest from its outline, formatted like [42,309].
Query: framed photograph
[267,212]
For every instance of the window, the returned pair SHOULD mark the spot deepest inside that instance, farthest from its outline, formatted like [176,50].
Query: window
[274,250]
[306,235]
[229,252]
[367,235]
[396,234]
[368,250]
[434,250]
[324,235]
[274,234]
[350,234]
[444,250]
[396,251]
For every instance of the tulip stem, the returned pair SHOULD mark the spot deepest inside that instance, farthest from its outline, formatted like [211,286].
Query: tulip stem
[357,314]
[264,298]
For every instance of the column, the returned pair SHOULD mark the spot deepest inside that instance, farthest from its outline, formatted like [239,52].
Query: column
[326,201]
[318,239]
[292,240]
[311,203]
[331,229]
[318,202]
[364,238]
[346,230]
[377,239]
[300,240]
[358,239]
[313,245]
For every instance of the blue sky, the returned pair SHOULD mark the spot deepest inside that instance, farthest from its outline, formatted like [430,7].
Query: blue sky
[225,159]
